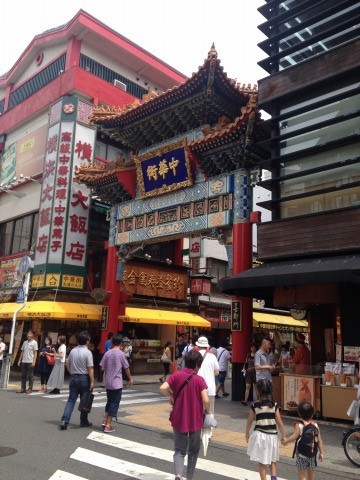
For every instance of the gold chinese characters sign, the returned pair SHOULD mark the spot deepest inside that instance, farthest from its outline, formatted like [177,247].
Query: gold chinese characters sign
[146,280]
[164,170]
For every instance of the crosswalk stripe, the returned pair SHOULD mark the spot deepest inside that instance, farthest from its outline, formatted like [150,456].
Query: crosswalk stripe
[61,475]
[119,466]
[132,402]
[167,455]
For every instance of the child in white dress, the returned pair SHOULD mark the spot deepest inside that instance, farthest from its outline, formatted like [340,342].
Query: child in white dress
[263,445]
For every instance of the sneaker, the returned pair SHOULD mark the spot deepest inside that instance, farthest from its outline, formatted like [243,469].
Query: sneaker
[29,391]
[217,396]
[226,394]
[103,425]
[244,403]
[108,429]
[21,391]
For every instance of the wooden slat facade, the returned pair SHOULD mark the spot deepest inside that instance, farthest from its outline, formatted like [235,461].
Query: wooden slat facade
[313,71]
[325,233]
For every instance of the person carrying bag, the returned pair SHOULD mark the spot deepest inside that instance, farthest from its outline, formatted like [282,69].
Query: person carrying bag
[166,361]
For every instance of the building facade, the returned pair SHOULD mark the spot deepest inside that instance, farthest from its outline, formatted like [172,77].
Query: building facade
[45,102]
[311,247]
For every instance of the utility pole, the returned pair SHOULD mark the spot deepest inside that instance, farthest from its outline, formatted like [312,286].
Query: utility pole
[25,266]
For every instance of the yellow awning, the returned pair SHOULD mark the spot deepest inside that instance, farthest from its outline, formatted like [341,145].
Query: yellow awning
[44,310]
[163,317]
[279,322]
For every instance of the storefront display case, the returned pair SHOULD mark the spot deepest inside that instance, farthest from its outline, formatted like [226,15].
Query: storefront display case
[146,355]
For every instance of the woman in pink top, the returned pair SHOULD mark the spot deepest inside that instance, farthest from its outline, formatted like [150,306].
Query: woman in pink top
[187,393]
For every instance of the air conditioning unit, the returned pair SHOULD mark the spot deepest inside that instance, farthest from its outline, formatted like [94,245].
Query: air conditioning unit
[120,85]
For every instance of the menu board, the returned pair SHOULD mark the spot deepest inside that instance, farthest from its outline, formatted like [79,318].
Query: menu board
[352,354]
[297,390]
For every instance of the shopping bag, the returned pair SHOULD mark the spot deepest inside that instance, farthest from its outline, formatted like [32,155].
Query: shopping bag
[86,401]
[353,409]
[174,366]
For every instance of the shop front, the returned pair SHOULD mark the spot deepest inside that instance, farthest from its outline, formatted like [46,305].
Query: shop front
[150,329]
[49,318]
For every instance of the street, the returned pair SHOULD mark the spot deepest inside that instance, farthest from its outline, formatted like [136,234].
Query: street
[33,447]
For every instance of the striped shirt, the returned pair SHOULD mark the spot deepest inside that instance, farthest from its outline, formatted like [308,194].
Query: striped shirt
[264,411]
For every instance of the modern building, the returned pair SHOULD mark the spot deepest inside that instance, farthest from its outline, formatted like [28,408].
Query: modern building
[311,246]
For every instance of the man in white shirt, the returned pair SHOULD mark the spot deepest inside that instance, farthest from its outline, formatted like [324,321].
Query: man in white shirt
[209,369]
[27,362]
[223,358]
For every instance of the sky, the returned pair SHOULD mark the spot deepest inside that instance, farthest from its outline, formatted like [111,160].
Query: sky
[179,32]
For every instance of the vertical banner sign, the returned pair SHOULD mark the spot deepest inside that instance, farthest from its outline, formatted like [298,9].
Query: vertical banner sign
[104,318]
[236,316]
[79,207]
[195,246]
[60,259]
[46,198]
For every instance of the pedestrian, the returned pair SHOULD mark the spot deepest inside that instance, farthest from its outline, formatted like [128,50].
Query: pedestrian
[166,360]
[263,366]
[189,346]
[263,445]
[107,347]
[27,362]
[284,357]
[189,400]
[308,440]
[57,376]
[114,363]
[223,358]
[44,367]
[209,369]
[80,365]
[180,346]
[2,351]
[250,374]
[301,359]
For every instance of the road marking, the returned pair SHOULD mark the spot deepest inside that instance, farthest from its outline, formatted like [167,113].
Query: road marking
[167,455]
[132,402]
[61,475]
[128,469]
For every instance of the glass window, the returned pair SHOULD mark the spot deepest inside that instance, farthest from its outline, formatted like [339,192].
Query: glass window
[321,114]
[321,180]
[328,157]
[321,202]
[320,136]
[18,235]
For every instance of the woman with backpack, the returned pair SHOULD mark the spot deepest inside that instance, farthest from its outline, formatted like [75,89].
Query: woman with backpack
[263,445]
[308,442]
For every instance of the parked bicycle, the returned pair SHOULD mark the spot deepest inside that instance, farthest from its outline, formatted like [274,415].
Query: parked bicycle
[351,444]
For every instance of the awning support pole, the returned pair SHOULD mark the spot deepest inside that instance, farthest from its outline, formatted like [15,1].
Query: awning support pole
[5,372]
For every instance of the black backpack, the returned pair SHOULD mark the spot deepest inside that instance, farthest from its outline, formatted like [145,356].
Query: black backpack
[307,443]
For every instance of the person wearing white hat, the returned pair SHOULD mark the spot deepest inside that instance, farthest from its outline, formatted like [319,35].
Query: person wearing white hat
[209,369]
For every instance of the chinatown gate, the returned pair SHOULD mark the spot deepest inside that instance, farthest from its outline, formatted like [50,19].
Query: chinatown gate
[189,156]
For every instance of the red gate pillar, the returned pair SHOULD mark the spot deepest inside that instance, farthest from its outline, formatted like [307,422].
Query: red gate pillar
[112,286]
[242,260]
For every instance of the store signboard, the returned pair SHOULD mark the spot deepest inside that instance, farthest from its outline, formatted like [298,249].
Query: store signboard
[297,389]
[148,280]
[352,354]
[164,170]
[236,316]
[64,203]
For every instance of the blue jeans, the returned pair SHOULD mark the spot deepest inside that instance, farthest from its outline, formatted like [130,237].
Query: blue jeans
[79,384]
[113,402]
